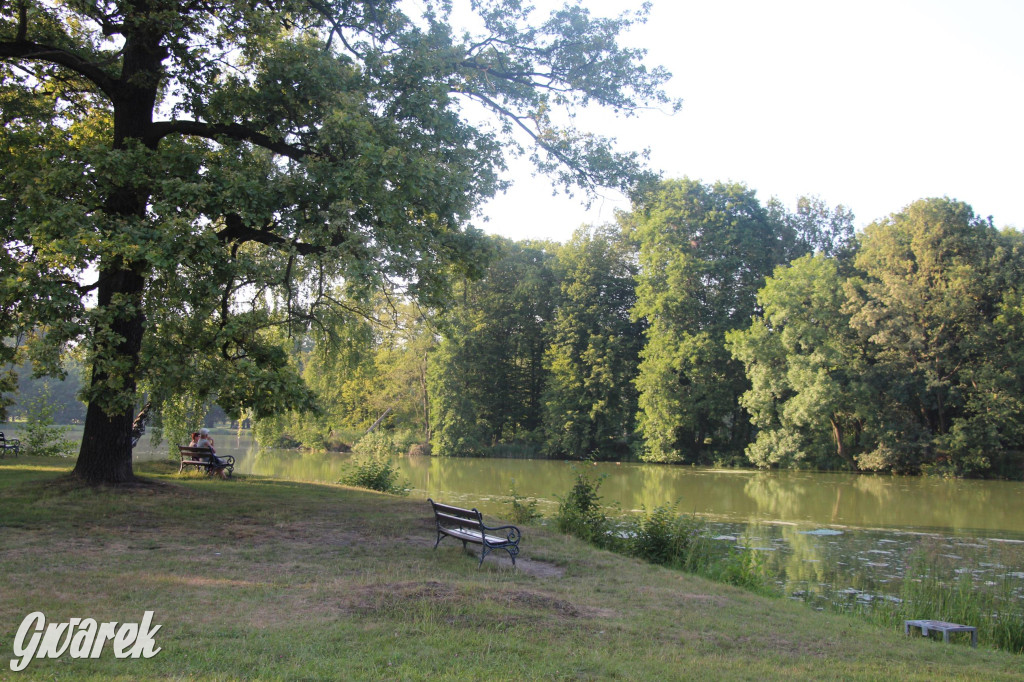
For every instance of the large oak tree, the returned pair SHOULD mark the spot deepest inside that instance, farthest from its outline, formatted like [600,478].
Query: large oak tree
[183,179]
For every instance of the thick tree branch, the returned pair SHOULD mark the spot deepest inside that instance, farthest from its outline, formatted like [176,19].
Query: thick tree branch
[22,23]
[236,230]
[234,131]
[36,52]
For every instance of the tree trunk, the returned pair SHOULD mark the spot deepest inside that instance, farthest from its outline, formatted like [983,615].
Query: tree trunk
[426,399]
[106,452]
[837,435]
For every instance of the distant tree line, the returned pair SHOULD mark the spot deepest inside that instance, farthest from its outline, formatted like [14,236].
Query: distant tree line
[703,327]
[707,327]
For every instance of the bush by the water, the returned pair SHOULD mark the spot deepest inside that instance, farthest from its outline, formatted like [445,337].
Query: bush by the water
[523,510]
[373,466]
[660,536]
[580,512]
[41,436]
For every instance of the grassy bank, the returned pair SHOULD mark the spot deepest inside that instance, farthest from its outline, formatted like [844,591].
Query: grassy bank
[255,578]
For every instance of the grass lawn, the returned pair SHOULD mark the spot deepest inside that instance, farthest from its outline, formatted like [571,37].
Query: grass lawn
[262,579]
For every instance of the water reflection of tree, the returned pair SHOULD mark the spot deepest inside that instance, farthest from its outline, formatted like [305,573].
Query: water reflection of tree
[778,498]
[806,564]
[880,488]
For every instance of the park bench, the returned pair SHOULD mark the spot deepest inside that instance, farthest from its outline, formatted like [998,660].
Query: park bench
[468,525]
[9,444]
[941,626]
[202,458]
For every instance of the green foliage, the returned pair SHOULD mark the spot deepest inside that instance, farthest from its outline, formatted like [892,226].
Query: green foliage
[580,512]
[373,466]
[590,399]
[662,536]
[63,393]
[704,251]
[41,436]
[523,510]
[808,397]
[487,376]
[746,568]
[935,310]
[223,169]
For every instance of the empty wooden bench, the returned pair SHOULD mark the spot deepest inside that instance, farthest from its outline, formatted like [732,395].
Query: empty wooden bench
[203,458]
[468,525]
[9,444]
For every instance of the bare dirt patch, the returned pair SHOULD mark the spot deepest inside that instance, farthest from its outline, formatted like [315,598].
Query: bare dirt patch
[542,601]
[539,569]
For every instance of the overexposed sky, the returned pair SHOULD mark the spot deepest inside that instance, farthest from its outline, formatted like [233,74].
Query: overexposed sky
[869,104]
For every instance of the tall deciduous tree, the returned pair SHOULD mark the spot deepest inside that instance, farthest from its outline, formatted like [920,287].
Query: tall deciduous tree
[487,376]
[704,250]
[181,177]
[590,401]
[937,302]
[808,397]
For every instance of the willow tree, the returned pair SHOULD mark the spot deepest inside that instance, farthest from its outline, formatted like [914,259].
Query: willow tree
[182,177]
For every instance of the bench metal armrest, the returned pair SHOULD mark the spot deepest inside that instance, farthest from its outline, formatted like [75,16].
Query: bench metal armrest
[513,534]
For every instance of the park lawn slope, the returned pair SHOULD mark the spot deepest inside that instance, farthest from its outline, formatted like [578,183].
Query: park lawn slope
[264,579]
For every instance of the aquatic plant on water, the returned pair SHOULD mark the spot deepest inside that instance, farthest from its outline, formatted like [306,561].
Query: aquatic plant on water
[937,586]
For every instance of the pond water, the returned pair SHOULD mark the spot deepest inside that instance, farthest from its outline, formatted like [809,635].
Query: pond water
[814,530]
[917,504]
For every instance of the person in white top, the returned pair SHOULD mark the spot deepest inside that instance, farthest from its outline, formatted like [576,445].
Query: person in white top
[203,439]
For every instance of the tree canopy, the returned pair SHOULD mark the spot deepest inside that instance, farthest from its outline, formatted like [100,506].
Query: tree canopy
[186,181]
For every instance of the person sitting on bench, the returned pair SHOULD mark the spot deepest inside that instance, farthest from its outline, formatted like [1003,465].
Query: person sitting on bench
[203,439]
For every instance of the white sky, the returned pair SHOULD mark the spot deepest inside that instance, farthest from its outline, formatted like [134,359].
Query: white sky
[870,104]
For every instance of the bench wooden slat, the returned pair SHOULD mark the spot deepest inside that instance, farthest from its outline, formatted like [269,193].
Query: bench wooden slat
[455,511]
[459,520]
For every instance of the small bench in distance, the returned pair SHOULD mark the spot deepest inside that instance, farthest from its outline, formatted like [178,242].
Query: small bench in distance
[9,444]
[468,525]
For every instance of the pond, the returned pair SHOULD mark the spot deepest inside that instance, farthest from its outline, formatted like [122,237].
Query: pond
[816,531]
[917,504]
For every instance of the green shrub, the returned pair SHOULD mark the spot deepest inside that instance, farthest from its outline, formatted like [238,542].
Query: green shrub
[745,568]
[580,514]
[663,537]
[41,437]
[373,466]
[523,510]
